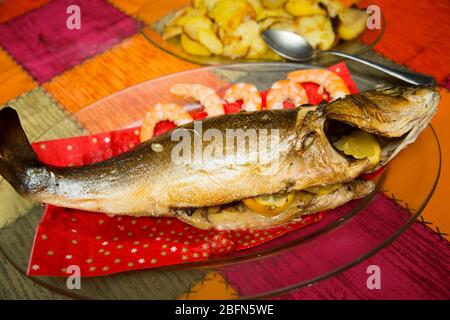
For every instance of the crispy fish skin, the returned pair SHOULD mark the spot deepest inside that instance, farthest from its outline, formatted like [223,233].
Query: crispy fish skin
[145,182]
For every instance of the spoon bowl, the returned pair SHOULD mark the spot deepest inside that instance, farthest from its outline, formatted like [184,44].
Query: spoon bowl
[289,45]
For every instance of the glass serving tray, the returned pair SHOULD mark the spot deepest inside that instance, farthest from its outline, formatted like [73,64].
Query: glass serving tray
[339,241]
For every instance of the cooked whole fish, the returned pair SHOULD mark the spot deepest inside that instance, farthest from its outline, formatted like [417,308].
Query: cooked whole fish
[146,181]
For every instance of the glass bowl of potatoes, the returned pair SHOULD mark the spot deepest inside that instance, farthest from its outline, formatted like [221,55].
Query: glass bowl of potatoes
[210,32]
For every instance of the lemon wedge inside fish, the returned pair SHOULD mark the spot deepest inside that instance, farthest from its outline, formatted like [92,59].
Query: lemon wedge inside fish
[270,205]
[322,190]
[360,145]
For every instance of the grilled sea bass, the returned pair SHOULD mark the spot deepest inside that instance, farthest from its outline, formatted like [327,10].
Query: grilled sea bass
[303,170]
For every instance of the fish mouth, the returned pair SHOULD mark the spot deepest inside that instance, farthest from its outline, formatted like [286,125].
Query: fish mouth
[335,130]
[394,116]
[388,112]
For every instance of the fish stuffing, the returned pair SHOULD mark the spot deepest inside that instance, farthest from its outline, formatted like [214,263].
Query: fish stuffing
[146,181]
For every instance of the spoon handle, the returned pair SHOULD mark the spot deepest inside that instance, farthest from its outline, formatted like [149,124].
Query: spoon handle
[407,76]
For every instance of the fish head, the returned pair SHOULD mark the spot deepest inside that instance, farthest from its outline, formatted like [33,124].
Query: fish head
[395,115]
[389,112]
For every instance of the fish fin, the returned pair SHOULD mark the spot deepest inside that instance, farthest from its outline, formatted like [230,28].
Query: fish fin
[16,153]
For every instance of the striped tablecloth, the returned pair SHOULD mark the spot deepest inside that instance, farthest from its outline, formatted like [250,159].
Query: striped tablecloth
[48,72]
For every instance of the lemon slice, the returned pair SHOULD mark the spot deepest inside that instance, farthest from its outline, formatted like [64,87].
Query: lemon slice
[319,190]
[270,205]
[360,145]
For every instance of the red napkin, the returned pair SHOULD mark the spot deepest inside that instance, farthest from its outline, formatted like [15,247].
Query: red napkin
[101,245]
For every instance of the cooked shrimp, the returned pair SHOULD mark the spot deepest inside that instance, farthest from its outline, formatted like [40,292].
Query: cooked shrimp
[206,96]
[161,112]
[285,90]
[246,92]
[327,79]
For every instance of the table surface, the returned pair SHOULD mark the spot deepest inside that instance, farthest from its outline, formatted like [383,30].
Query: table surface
[51,73]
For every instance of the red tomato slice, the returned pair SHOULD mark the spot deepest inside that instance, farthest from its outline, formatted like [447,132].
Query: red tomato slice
[288,105]
[198,115]
[232,107]
[164,126]
[264,99]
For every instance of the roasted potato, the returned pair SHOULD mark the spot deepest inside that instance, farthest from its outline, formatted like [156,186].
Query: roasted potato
[304,8]
[209,4]
[277,13]
[352,23]
[259,9]
[273,4]
[188,13]
[234,47]
[194,23]
[333,7]
[171,32]
[268,22]
[317,30]
[229,14]
[245,41]
[171,19]
[209,39]
[250,34]
[221,33]
[258,48]
[288,25]
[198,4]
[193,47]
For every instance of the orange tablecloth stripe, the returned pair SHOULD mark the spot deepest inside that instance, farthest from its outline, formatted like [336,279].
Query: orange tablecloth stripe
[417,34]
[10,9]
[438,209]
[132,61]
[13,79]
[148,11]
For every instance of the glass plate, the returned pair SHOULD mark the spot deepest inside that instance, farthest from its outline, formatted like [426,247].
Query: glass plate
[152,11]
[321,250]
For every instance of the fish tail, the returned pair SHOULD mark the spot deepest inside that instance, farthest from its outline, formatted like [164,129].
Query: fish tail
[16,153]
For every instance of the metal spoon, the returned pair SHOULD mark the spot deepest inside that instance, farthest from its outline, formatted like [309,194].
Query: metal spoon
[294,47]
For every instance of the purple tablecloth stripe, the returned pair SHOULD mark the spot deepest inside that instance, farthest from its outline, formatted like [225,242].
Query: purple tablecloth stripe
[415,266]
[41,42]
